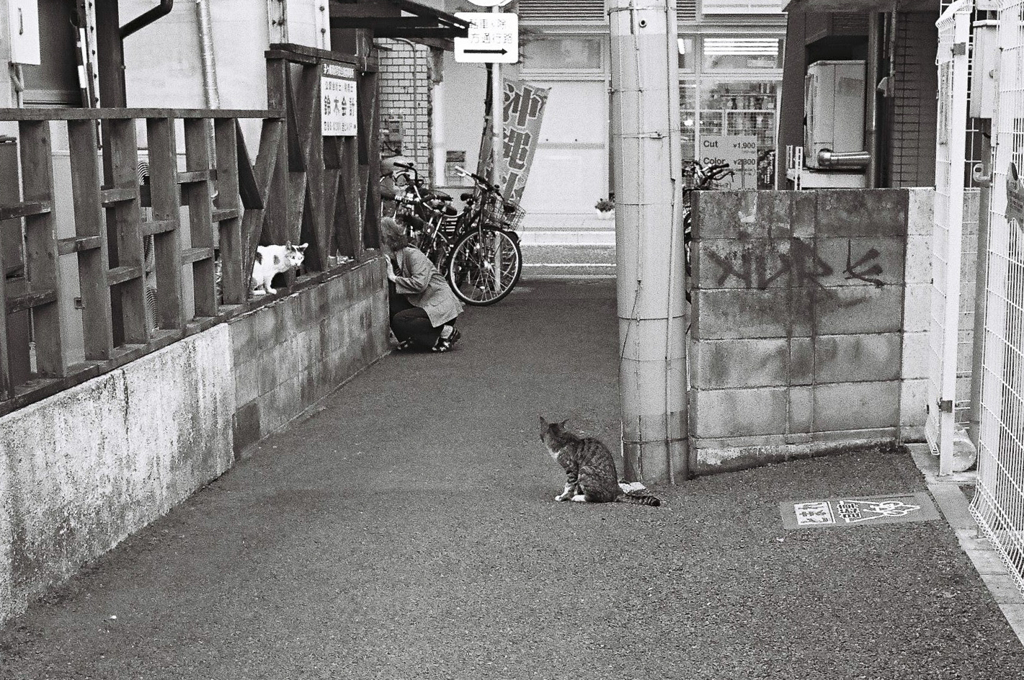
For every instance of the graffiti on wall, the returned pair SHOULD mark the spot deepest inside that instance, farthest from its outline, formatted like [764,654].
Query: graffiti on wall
[759,268]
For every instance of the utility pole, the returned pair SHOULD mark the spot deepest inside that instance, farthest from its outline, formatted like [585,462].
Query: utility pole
[649,239]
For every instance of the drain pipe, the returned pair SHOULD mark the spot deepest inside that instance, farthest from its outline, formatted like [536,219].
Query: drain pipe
[146,18]
[871,90]
[209,65]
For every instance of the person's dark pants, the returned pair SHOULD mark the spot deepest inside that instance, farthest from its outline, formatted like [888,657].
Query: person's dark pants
[409,322]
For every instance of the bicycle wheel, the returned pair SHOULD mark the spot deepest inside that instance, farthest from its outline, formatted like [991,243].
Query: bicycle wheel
[484,266]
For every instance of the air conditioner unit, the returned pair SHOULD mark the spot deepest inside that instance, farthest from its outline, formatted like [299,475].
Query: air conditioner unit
[833,109]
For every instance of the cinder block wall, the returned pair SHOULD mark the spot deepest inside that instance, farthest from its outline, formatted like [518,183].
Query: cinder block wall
[800,331]
[84,469]
[290,354]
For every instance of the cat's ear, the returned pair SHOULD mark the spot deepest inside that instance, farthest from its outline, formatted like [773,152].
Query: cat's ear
[302,247]
[543,423]
[288,244]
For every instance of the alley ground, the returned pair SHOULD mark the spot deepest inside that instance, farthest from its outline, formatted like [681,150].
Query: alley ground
[408,530]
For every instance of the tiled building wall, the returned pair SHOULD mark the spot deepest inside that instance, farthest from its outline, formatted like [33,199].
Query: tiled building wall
[405,101]
[913,109]
[809,321]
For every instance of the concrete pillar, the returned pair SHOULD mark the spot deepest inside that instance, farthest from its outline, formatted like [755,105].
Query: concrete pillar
[649,238]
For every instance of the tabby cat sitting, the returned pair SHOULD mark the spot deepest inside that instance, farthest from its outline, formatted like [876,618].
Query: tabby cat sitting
[589,469]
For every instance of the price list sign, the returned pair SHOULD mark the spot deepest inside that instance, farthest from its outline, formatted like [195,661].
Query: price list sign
[338,115]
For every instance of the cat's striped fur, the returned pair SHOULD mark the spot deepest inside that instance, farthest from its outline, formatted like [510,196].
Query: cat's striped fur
[590,474]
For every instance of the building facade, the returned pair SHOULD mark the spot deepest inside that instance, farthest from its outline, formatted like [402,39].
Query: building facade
[730,74]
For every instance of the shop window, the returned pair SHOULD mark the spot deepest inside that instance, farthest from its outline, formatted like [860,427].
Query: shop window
[688,118]
[741,115]
[736,53]
[687,55]
[563,54]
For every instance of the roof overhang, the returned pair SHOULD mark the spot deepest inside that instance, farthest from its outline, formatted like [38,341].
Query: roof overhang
[823,6]
[399,19]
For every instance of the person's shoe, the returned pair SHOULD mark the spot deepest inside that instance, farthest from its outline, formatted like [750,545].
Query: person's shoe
[404,346]
[449,336]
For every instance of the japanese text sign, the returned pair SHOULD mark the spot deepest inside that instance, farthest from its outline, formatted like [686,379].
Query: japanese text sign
[493,38]
[338,100]
[522,112]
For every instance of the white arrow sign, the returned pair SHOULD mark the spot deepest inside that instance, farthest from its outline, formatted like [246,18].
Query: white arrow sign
[493,38]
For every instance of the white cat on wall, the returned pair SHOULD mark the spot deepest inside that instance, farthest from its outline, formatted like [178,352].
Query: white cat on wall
[273,260]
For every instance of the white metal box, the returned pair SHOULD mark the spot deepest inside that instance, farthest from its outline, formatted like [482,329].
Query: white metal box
[834,108]
[24,26]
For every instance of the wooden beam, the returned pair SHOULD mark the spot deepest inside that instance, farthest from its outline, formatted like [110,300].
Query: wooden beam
[132,114]
[166,196]
[234,282]
[199,197]
[36,299]
[264,172]
[25,209]
[79,244]
[92,263]
[121,148]
[41,253]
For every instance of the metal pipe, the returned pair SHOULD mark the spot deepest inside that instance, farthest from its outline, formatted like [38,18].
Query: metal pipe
[146,18]
[843,160]
[207,62]
[980,287]
[871,91]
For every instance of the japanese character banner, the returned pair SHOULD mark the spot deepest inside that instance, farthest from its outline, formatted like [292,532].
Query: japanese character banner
[522,112]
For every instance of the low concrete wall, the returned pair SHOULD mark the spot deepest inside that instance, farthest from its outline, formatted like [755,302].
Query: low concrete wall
[809,322]
[84,469]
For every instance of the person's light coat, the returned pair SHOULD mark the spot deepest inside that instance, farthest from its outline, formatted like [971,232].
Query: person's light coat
[417,278]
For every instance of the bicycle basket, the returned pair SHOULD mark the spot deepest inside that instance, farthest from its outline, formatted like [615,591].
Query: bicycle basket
[506,215]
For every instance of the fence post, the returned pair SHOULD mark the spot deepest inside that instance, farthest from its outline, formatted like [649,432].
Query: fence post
[196,195]
[234,280]
[125,216]
[92,263]
[41,246]
[166,199]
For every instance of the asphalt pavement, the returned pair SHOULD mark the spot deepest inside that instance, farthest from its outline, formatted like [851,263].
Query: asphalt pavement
[407,529]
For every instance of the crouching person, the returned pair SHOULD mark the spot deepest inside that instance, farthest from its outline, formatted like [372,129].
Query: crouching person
[423,309]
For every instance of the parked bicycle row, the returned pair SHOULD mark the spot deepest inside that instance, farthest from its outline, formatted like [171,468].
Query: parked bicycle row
[475,248]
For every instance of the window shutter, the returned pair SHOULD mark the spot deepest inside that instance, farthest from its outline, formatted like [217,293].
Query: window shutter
[686,10]
[562,10]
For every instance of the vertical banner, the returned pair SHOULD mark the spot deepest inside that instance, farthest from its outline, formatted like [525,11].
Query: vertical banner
[522,112]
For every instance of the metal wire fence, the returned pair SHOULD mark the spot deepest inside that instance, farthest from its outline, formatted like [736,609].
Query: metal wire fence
[998,504]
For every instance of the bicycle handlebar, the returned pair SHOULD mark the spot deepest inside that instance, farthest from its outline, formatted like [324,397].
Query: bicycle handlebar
[478,179]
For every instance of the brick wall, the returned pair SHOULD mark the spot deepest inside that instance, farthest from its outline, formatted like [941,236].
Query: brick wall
[809,322]
[405,100]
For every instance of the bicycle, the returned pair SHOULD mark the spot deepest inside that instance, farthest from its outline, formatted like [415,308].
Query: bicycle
[704,178]
[486,262]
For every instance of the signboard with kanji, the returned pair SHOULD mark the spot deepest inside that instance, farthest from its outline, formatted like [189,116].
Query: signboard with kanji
[338,101]
[522,113]
[493,38]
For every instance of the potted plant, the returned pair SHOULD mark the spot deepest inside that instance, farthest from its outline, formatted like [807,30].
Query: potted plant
[606,207]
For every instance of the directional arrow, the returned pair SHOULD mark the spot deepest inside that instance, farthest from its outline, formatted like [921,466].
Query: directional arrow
[501,51]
